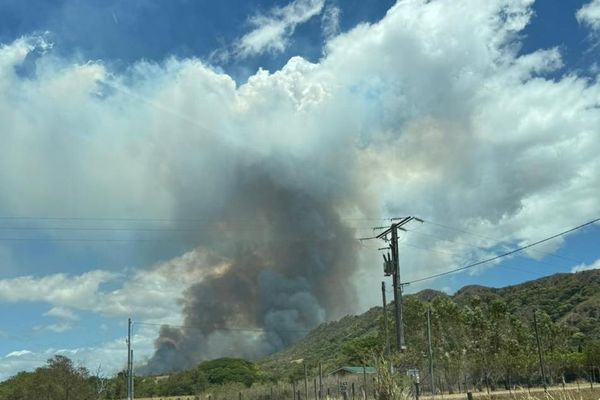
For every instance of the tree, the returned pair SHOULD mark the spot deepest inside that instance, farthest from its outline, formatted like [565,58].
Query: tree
[225,370]
[59,379]
[358,351]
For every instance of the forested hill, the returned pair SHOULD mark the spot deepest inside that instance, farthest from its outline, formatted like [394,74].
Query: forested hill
[570,300]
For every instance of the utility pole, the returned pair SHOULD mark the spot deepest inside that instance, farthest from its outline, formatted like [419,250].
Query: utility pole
[397,291]
[430,352]
[131,377]
[392,267]
[539,346]
[129,388]
[385,321]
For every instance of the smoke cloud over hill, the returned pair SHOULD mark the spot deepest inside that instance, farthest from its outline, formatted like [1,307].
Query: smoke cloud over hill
[289,258]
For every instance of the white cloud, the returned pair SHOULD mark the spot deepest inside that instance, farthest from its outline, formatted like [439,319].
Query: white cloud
[586,267]
[589,15]
[57,289]
[330,21]
[18,353]
[151,294]
[272,31]
[59,328]
[62,313]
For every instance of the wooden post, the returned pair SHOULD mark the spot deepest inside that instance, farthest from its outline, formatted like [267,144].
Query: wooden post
[315,387]
[294,390]
[320,381]
[365,381]
[240,395]
[540,355]
[469,396]
[353,391]
[305,383]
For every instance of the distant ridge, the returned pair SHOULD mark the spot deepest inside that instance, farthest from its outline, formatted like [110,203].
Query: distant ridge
[571,298]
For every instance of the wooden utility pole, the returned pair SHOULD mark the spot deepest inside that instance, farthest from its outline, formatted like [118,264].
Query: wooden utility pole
[385,321]
[397,291]
[539,347]
[129,388]
[392,267]
[430,353]
[131,377]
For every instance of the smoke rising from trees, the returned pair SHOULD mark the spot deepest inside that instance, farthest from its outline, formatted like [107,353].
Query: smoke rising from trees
[290,257]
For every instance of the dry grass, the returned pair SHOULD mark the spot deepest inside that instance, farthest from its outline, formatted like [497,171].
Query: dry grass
[388,388]
[399,394]
[571,392]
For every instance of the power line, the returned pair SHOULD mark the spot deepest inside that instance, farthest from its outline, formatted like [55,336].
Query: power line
[504,254]
[142,219]
[240,329]
[482,247]
[486,238]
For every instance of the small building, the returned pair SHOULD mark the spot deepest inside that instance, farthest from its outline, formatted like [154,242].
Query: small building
[350,371]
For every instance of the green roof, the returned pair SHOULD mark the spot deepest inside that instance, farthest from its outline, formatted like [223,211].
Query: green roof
[356,370]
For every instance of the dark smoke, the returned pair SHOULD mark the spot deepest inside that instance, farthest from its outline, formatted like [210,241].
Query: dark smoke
[291,260]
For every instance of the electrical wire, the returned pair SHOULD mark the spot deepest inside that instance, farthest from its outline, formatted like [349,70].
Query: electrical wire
[471,233]
[236,329]
[475,264]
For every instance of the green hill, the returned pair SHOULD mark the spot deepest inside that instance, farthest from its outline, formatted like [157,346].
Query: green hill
[570,301]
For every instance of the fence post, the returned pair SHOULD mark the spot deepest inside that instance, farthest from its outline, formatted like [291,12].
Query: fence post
[320,380]
[353,391]
[365,381]
[469,396]
[305,382]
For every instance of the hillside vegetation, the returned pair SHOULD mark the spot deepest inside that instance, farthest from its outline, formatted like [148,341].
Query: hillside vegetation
[568,307]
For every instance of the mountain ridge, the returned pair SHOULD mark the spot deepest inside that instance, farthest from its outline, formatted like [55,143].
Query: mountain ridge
[572,299]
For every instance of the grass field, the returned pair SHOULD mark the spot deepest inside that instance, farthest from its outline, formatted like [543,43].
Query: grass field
[570,392]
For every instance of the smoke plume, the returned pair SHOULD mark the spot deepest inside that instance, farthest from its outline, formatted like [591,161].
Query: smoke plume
[290,256]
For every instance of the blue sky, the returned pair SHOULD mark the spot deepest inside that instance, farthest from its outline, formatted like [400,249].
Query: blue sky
[114,171]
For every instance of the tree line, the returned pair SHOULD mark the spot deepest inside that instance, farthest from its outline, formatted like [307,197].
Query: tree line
[61,379]
[482,345]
